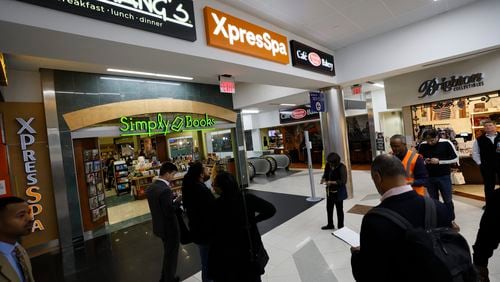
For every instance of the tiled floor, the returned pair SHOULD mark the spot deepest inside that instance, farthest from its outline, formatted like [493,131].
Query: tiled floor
[300,251]
[127,210]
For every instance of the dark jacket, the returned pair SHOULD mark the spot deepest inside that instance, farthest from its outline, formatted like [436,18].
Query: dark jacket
[488,236]
[198,201]
[490,158]
[338,174]
[229,258]
[165,224]
[381,257]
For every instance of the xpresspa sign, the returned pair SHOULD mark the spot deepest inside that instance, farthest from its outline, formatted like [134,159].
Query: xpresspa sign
[231,33]
[132,126]
[454,83]
[174,18]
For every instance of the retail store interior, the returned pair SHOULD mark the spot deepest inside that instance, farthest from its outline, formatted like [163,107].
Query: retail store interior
[118,169]
[461,121]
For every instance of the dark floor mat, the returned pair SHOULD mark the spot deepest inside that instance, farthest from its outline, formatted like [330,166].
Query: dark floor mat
[360,209]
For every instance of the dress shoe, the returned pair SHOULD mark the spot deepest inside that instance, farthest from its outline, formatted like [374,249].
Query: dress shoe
[326,227]
[455,226]
[483,273]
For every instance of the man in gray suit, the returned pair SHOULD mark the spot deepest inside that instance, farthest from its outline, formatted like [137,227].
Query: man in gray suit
[165,224]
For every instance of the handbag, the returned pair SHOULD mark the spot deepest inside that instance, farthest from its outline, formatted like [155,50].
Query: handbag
[457,178]
[185,234]
[258,258]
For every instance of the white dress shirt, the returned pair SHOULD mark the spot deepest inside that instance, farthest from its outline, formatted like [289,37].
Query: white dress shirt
[396,191]
[476,152]
[164,181]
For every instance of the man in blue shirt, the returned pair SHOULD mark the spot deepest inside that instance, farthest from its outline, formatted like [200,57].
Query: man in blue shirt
[16,220]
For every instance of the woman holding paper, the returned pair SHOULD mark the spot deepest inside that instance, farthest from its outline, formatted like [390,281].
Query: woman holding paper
[335,178]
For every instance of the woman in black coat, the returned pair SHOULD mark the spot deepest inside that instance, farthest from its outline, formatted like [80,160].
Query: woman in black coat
[229,257]
[335,178]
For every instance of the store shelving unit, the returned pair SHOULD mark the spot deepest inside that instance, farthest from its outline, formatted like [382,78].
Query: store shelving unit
[477,118]
[121,177]
[140,184]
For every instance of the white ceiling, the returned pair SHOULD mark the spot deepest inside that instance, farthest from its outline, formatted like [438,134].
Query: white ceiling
[337,23]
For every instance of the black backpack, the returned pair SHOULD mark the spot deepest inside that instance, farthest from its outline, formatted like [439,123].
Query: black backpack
[439,253]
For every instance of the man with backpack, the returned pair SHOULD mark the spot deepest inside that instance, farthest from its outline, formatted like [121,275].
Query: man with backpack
[408,237]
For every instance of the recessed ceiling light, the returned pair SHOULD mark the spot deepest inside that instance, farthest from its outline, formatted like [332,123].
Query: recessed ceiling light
[249,111]
[139,80]
[288,105]
[151,74]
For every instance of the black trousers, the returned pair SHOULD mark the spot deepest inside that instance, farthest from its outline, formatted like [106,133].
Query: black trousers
[170,257]
[489,174]
[488,236]
[331,201]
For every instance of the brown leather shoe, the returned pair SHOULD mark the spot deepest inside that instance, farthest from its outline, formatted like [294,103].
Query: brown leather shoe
[483,273]
[455,226]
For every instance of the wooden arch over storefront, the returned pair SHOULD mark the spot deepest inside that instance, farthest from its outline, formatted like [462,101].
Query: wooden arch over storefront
[99,114]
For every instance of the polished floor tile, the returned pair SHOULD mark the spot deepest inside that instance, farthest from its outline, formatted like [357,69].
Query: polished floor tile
[291,236]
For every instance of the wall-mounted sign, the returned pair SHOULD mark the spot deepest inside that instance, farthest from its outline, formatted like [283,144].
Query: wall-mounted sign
[312,59]
[230,33]
[27,138]
[27,147]
[297,114]
[131,126]
[317,101]
[454,83]
[169,17]
[380,142]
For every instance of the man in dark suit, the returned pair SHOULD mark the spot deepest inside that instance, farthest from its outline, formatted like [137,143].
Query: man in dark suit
[165,224]
[16,220]
[380,256]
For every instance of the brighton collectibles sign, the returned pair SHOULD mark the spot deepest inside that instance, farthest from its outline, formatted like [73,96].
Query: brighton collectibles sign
[27,138]
[174,18]
[308,58]
[132,126]
[454,83]
[230,33]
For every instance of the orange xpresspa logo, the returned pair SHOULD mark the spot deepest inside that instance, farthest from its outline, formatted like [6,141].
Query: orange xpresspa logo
[233,34]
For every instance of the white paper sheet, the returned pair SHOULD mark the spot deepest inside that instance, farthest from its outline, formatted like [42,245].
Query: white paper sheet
[347,235]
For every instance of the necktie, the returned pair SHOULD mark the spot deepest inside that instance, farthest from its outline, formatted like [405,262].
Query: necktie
[23,263]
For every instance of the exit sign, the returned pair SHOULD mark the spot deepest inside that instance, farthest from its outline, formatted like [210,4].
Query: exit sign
[227,87]
[226,84]
[356,89]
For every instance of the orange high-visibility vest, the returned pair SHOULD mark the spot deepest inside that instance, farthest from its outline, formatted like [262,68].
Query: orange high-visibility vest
[409,162]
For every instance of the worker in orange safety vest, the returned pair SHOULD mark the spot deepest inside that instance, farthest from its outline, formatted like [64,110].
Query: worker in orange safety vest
[416,172]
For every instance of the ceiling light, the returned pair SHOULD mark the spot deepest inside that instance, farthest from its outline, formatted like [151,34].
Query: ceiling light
[250,111]
[151,74]
[379,85]
[139,80]
[288,105]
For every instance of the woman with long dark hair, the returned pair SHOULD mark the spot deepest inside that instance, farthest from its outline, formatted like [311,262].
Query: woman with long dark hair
[199,201]
[335,178]
[236,253]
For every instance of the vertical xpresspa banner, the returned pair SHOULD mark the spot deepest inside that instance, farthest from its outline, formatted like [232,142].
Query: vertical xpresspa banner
[173,18]
[29,164]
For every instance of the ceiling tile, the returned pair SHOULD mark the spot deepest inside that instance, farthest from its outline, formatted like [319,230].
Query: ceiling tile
[301,11]
[398,7]
[367,13]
